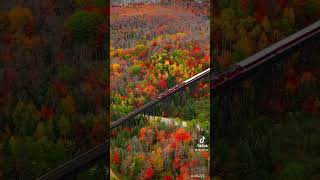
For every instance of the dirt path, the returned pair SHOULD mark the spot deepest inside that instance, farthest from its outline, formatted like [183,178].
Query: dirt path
[170,121]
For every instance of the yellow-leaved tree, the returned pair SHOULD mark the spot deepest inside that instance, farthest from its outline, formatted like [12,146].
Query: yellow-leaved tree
[245,45]
[263,41]
[266,24]
[68,105]
[289,14]
[19,16]
[225,60]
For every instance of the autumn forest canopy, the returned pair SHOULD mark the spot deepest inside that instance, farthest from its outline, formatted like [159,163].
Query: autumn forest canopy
[155,46]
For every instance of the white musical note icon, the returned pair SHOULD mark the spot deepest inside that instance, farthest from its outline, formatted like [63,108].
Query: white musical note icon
[202,140]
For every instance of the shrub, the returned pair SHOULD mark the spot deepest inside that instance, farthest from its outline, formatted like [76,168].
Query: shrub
[84,26]
[136,69]
[25,118]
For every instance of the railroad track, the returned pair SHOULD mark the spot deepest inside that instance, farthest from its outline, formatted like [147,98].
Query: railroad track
[217,80]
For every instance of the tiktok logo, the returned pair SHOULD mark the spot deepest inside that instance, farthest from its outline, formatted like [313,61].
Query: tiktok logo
[202,145]
[202,140]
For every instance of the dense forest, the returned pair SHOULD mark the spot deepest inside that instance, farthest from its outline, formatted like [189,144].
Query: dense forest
[53,89]
[153,48]
[272,116]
